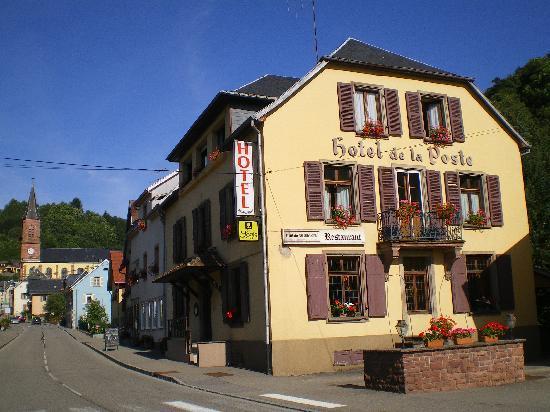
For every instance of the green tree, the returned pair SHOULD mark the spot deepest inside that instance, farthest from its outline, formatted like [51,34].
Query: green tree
[95,319]
[55,307]
[524,99]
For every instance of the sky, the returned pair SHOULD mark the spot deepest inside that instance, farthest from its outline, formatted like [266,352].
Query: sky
[118,83]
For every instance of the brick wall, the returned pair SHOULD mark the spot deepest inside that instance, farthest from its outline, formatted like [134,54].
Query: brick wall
[450,368]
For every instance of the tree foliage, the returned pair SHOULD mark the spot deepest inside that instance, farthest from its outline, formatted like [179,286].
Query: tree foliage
[62,225]
[55,307]
[524,99]
[95,319]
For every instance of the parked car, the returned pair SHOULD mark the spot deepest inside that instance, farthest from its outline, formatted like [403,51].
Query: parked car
[22,319]
[14,320]
[36,321]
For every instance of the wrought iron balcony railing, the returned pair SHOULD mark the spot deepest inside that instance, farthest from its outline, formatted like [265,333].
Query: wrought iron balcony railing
[426,227]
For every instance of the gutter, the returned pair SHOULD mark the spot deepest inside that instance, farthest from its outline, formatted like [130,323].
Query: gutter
[269,370]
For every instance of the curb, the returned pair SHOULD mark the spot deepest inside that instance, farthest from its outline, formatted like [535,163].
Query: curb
[182,383]
[11,340]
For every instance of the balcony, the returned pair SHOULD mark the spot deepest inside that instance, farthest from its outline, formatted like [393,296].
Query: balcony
[425,230]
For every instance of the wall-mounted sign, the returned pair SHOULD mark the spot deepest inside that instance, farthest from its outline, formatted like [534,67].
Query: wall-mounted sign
[323,237]
[244,178]
[413,153]
[248,230]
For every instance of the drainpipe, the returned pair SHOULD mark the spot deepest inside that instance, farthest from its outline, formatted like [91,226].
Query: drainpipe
[269,370]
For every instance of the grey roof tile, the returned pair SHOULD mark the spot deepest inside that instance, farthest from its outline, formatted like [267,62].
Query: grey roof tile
[269,85]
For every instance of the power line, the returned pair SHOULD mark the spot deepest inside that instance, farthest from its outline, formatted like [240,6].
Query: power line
[77,166]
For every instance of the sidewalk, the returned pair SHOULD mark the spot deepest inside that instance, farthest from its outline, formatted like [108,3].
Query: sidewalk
[344,388]
[11,333]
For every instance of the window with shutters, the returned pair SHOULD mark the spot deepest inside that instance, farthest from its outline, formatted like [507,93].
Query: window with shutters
[186,171]
[228,226]
[338,189]
[156,259]
[179,244]
[471,195]
[367,105]
[202,158]
[416,283]
[481,288]
[433,112]
[409,186]
[344,286]
[219,137]
[202,230]
[235,294]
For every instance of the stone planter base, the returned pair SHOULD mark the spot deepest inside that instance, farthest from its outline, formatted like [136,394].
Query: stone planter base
[451,368]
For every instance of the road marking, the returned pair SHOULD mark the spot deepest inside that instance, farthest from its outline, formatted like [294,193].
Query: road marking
[46,367]
[304,401]
[71,389]
[53,377]
[189,407]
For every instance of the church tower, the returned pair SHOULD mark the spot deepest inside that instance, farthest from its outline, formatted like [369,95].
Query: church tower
[30,235]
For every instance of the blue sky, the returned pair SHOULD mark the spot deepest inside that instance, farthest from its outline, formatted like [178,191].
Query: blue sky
[118,83]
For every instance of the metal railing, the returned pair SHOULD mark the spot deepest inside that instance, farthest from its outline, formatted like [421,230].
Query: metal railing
[426,226]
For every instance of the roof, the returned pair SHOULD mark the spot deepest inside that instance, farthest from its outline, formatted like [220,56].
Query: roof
[72,279]
[73,255]
[355,51]
[44,286]
[269,85]
[115,259]
[32,209]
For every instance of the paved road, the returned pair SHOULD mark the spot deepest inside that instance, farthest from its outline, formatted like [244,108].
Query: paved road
[63,375]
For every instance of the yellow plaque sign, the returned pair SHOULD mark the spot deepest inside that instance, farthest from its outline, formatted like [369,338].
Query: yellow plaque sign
[248,230]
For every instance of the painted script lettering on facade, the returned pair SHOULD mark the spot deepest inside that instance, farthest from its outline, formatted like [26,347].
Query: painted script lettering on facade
[323,236]
[244,178]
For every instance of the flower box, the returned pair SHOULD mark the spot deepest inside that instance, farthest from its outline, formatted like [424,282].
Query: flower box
[373,128]
[463,341]
[434,344]
[489,339]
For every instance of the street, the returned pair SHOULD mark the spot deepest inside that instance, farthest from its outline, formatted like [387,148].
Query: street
[67,376]
[45,369]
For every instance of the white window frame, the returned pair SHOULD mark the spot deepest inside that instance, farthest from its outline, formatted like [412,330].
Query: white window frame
[424,206]
[96,281]
[354,188]
[88,295]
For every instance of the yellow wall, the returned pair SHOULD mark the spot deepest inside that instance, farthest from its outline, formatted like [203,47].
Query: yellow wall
[57,267]
[303,128]
[37,305]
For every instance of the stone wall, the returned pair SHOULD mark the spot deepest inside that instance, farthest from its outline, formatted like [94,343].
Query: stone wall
[450,368]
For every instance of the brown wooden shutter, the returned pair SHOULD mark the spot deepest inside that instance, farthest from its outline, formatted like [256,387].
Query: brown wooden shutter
[367,193]
[459,285]
[435,196]
[393,114]
[244,290]
[223,208]
[183,246]
[386,181]
[316,284]
[175,247]
[414,114]
[196,230]
[505,282]
[207,224]
[455,113]
[225,293]
[495,203]
[347,111]
[452,188]
[314,190]
[376,286]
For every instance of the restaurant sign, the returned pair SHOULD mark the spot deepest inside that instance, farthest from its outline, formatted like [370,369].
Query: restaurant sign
[244,178]
[323,237]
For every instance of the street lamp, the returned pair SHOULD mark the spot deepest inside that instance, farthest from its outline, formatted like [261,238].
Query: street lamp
[511,323]
[402,328]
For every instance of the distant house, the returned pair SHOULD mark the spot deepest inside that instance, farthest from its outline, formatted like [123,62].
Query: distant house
[82,289]
[38,291]
[116,285]
[20,299]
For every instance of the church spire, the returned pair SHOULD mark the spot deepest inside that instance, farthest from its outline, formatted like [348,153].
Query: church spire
[32,209]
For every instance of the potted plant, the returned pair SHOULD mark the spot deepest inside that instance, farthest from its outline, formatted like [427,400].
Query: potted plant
[336,308]
[440,135]
[433,338]
[373,128]
[477,219]
[444,324]
[492,331]
[214,154]
[409,217]
[463,336]
[446,212]
[342,217]
[227,231]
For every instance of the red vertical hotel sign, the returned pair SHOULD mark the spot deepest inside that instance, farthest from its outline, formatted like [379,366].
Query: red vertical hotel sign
[244,178]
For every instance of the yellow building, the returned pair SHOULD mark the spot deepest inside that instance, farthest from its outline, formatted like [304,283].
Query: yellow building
[421,170]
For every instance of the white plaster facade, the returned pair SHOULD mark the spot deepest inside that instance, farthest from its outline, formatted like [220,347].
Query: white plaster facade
[20,298]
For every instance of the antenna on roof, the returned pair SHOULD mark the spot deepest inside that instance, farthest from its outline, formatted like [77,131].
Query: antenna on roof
[315,31]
